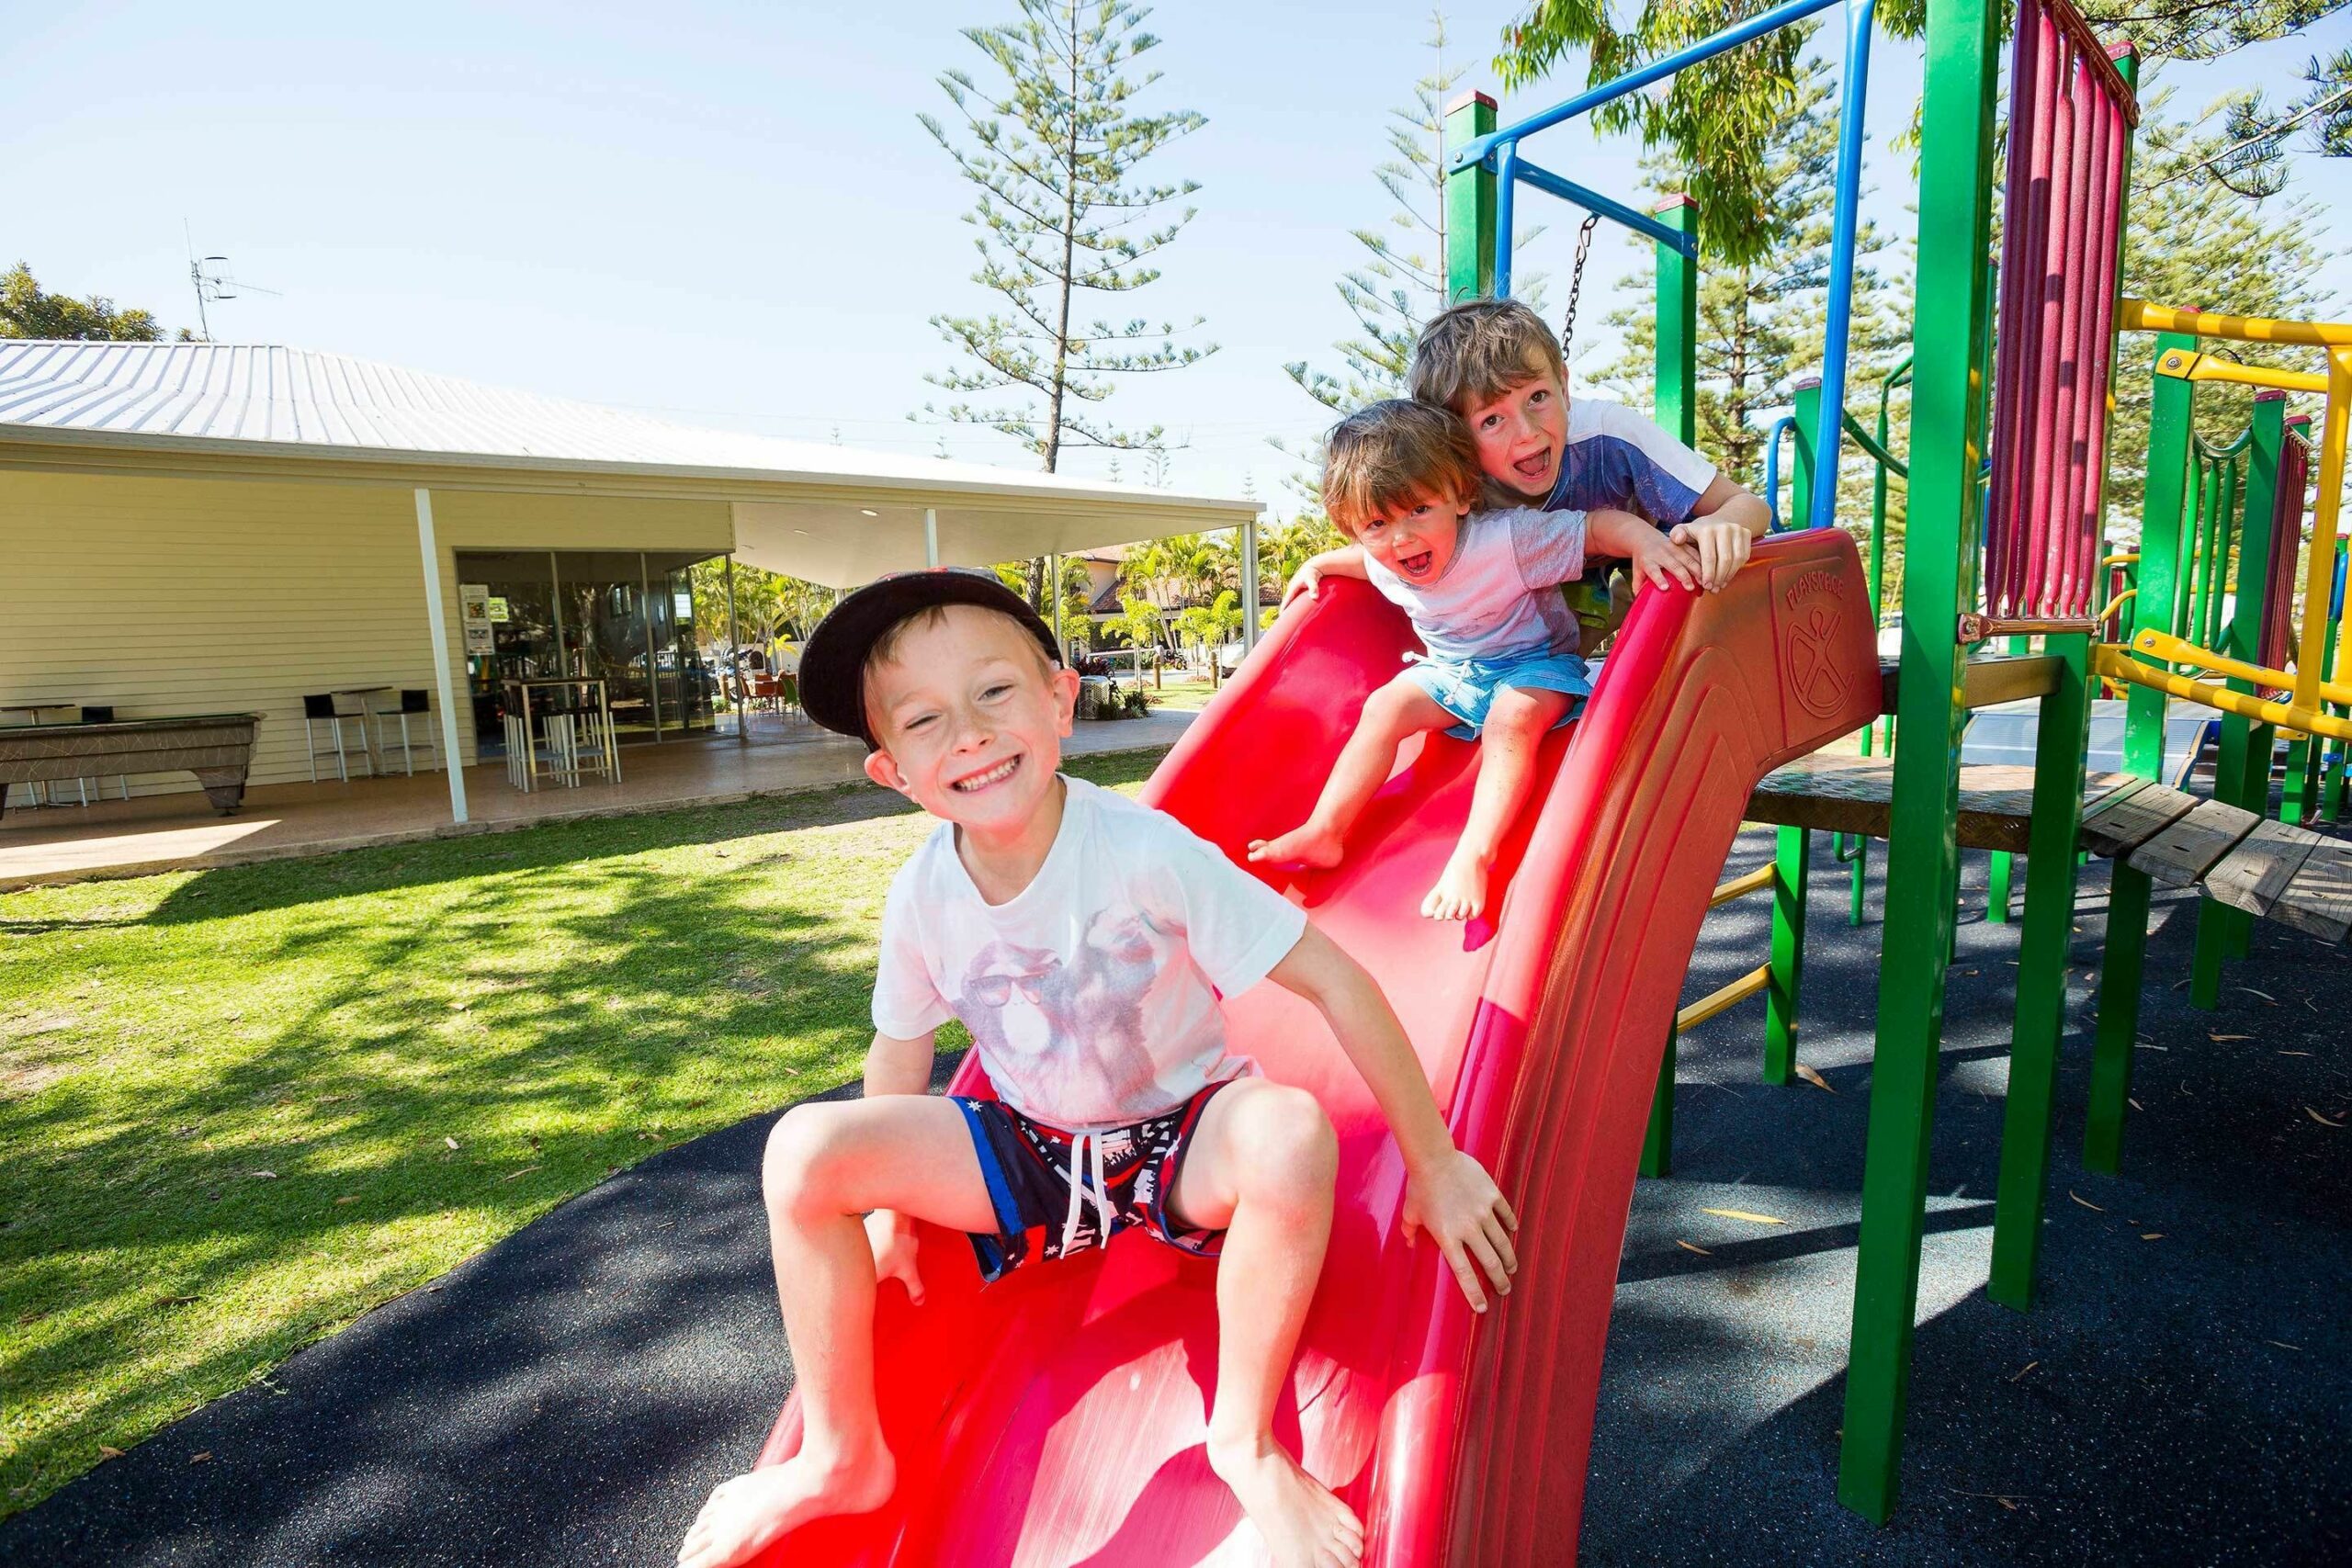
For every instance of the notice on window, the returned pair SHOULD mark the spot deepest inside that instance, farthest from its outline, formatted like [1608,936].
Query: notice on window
[474,603]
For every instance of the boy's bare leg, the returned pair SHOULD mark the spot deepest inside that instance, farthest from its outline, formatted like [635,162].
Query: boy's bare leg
[1262,1166]
[826,1165]
[1515,728]
[1391,714]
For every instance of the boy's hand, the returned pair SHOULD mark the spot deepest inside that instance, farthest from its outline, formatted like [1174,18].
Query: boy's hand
[892,1235]
[1660,560]
[1458,1204]
[1306,579]
[1721,548]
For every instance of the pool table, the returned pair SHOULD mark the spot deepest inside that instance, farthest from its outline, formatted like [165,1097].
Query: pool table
[217,748]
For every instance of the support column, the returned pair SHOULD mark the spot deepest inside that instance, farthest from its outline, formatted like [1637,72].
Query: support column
[1658,1143]
[1054,589]
[2242,764]
[1249,587]
[1469,203]
[734,661]
[437,620]
[1791,866]
[2063,739]
[2162,528]
[1963,71]
[931,535]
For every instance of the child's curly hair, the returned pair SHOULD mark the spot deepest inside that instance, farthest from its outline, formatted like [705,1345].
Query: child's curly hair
[1473,353]
[1391,454]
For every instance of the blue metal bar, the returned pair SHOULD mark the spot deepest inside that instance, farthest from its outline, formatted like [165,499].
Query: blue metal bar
[1506,203]
[1568,190]
[1731,37]
[1787,422]
[1856,92]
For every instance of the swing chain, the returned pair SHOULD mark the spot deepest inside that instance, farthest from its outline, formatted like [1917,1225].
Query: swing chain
[1576,281]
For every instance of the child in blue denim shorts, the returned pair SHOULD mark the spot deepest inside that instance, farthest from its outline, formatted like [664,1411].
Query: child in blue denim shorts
[1402,480]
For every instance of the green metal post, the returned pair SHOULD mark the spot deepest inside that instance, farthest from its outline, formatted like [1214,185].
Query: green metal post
[1674,401]
[2241,765]
[1792,860]
[1792,851]
[2060,746]
[1675,406]
[1961,72]
[2331,793]
[1657,1144]
[1469,203]
[2170,432]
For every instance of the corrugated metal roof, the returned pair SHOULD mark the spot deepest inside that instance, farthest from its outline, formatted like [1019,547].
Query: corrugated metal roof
[303,402]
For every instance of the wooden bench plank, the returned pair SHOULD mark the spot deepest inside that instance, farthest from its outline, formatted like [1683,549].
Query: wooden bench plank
[2187,849]
[2252,876]
[2318,898]
[2126,821]
[1854,794]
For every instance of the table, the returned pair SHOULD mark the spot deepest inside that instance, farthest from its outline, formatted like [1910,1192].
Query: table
[578,740]
[217,748]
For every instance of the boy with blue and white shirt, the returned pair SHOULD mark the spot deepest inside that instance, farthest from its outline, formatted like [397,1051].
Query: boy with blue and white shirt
[1496,365]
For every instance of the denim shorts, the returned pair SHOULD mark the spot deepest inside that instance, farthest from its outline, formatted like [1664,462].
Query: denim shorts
[1466,688]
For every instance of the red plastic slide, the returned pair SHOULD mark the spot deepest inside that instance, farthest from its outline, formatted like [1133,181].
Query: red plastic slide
[1056,1418]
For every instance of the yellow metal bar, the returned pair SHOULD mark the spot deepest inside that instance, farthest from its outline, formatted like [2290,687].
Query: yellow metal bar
[1727,997]
[2176,651]
[2184,363]
[2117,604]
[2320,579]
[1741,886]
[2115,664]
[2128,558]
[2140,316]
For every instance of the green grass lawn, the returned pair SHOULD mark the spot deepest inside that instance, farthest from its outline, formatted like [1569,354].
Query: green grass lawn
[238,1108]
[1181,694]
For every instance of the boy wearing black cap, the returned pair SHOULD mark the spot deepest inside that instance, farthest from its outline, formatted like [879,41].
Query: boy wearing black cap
[1084,940]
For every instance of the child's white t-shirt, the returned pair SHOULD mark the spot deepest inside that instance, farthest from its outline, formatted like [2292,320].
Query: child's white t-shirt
[1091,994]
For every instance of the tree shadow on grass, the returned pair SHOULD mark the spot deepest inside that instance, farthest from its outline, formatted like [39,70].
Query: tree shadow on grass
[632,1007]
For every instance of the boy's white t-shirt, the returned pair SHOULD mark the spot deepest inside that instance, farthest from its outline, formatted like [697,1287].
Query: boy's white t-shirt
[1091,994]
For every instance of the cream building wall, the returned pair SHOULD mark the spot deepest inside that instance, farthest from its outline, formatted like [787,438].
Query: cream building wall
[165,595]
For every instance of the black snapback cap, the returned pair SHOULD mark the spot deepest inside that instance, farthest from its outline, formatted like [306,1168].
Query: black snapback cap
[832,665]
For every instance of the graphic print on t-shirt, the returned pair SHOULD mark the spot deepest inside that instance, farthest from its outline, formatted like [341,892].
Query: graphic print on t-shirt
[1019,1000]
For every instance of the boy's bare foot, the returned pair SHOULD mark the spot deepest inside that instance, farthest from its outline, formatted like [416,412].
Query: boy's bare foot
[1310,846]
[746,1513]
[1461,890]
[1304,1524]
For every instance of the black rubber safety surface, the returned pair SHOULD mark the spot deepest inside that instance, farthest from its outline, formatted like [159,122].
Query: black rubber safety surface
[2182,1393]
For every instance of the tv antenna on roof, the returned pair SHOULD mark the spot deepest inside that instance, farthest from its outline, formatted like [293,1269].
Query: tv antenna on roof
[210,277]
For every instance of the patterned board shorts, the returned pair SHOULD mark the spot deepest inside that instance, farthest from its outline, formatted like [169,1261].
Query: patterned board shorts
[1466,688]
[1058,1192]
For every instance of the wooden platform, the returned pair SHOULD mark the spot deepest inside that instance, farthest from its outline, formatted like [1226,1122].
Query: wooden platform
[2233,857]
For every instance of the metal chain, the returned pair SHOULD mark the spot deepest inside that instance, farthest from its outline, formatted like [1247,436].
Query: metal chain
[1576,281]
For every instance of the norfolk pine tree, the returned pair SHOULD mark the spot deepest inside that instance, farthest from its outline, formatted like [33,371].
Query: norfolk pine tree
[1053,150]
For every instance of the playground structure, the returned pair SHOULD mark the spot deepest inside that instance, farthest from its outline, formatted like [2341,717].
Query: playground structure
[2007,472]
[1073,1400]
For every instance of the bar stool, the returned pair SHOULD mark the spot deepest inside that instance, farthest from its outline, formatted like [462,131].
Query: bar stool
[410,704]
[327,709]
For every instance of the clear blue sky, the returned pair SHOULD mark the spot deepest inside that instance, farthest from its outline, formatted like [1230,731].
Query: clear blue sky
[728,213]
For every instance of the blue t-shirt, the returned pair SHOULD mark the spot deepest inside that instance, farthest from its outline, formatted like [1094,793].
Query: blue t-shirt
[1615,458]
